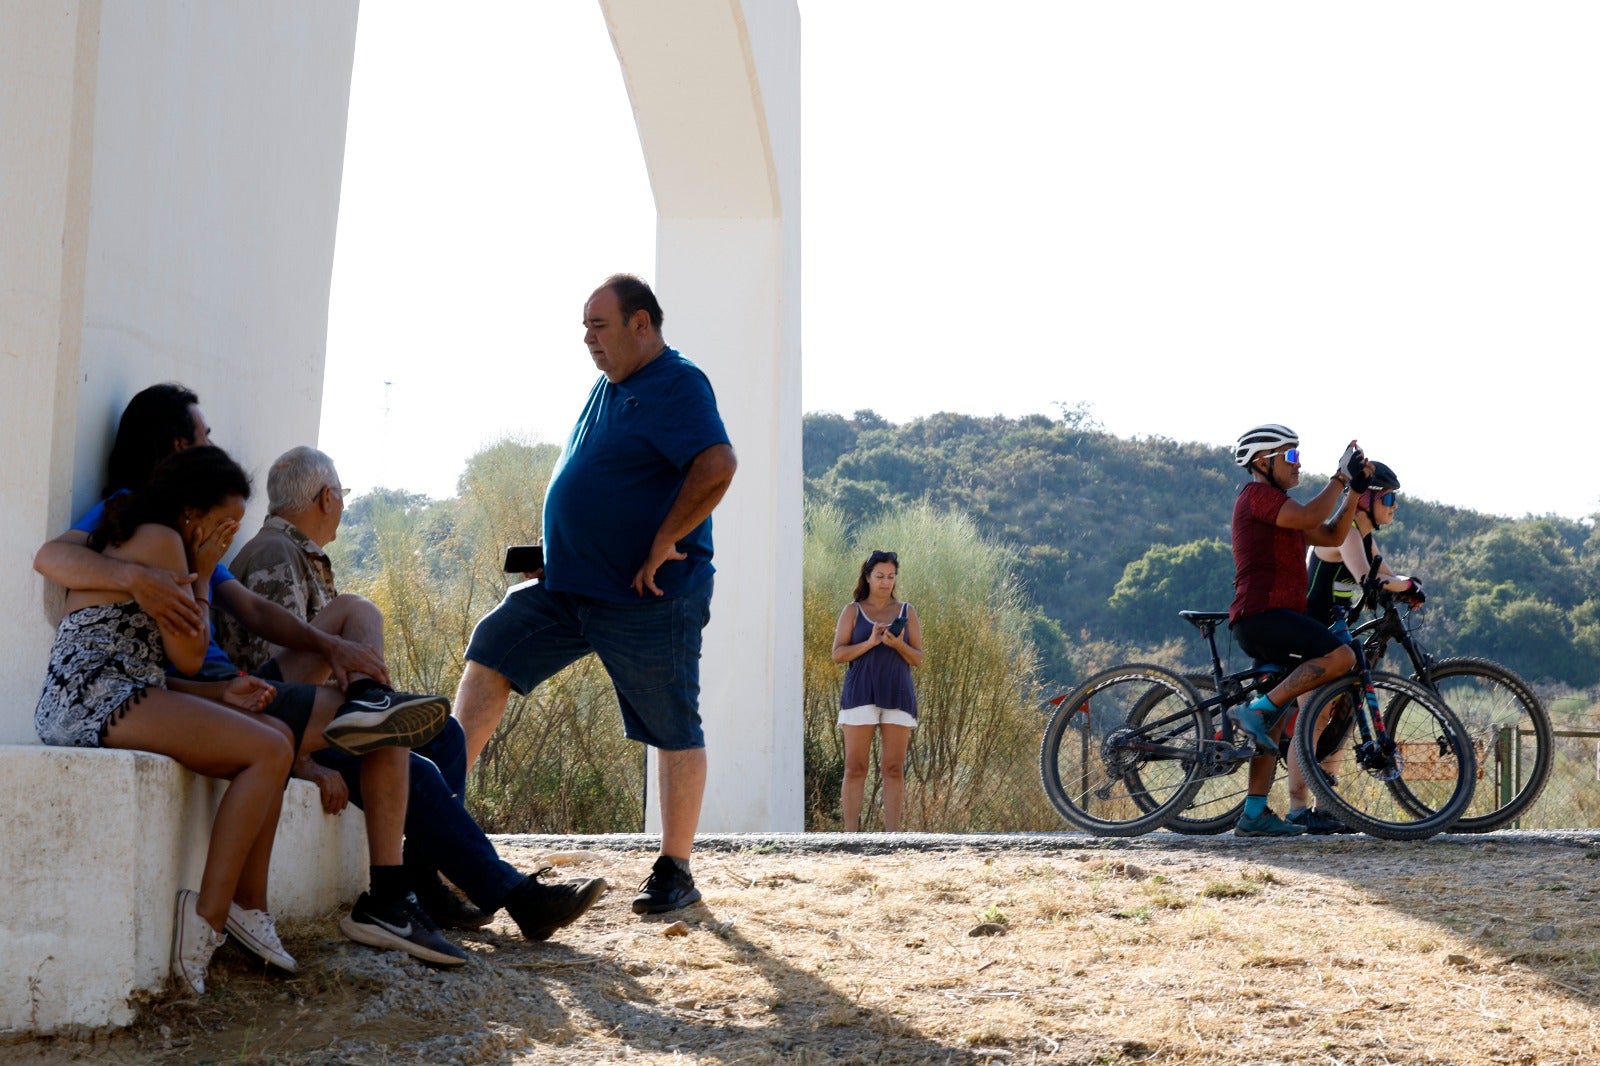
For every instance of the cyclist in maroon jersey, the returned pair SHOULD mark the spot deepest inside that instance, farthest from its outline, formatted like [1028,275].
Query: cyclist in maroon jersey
[1268,620]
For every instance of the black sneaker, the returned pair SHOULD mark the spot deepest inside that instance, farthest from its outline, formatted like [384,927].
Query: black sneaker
[1317,822]
[668,888]
[539,908]
[448,910]
[403,925]
[386,718]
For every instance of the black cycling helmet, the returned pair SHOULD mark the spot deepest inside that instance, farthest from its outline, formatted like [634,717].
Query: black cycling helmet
[1383,478]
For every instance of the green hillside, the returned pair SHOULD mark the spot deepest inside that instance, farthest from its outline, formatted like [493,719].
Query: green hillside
[1112,537]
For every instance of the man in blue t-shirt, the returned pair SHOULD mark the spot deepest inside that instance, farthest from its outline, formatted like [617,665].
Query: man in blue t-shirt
[627,574]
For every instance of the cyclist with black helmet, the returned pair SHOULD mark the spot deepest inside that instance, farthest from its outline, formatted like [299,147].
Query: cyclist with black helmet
[1334,576]
[1268,620]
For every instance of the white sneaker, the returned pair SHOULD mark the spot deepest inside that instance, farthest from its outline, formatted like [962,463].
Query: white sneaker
[256,934]
[193,943]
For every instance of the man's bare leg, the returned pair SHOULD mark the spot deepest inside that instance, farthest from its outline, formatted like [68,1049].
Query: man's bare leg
[354,618]
[681,776]
[481,703]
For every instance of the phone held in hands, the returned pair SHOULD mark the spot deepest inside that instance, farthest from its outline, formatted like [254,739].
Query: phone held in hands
[524,558]
[898,626]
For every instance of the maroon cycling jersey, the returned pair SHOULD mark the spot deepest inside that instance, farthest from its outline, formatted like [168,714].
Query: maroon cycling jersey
[1269,567]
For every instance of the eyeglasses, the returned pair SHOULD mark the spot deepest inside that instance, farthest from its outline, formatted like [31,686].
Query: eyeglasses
[342,493]
[1292,455]
[1387,499]
[883,557]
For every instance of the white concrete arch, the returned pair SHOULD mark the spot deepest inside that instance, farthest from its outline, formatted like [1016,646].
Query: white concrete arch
[715,86]
[169,184]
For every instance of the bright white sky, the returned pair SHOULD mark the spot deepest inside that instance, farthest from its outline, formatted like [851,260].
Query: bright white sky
[1367,220]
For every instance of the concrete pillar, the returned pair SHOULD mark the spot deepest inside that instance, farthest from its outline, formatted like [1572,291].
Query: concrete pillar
[169,185]
[715,86]
[48,71]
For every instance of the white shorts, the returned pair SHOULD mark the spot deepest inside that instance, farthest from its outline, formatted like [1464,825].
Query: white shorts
[872,714]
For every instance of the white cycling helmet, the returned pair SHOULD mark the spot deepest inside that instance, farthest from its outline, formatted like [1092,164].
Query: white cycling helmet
[1263,439]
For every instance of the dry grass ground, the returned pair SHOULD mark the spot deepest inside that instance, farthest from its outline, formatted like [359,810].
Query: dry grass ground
[1158,950]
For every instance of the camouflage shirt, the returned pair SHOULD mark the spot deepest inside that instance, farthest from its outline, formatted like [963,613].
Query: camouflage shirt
[283,565]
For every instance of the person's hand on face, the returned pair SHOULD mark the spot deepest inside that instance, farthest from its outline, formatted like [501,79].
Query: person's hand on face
[208,543]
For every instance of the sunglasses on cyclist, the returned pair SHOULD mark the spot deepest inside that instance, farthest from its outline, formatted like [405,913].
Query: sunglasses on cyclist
[1387,499]
[1292,455]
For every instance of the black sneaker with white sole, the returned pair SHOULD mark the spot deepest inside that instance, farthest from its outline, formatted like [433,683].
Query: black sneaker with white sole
[385,718]
[402,925]
[668,888]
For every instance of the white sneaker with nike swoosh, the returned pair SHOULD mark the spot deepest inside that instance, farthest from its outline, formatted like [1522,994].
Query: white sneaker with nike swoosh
[403,926]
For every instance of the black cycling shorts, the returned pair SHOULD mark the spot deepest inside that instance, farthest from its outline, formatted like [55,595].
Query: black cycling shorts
[1283,637]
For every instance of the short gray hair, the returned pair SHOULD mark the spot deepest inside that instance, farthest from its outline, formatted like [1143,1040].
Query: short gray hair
[296,478]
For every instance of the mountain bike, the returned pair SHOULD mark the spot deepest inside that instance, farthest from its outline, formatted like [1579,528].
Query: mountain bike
[1134,749]
[1509,727]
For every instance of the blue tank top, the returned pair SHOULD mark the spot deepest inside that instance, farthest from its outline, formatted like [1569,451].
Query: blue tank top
[880,677]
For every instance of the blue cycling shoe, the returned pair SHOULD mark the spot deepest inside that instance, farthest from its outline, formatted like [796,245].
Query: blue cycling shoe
[1252,718]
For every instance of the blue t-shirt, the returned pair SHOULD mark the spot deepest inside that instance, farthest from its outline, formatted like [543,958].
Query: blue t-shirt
[216,660]
[619,474]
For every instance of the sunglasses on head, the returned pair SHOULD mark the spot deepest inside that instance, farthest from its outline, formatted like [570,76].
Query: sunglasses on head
[883,557]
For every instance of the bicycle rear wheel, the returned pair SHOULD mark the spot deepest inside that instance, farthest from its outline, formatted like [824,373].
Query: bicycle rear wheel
[1220,799]
[1510,733]
[1410,786]
[1111,775]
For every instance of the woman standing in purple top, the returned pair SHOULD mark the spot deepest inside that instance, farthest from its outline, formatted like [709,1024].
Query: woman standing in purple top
[881,639]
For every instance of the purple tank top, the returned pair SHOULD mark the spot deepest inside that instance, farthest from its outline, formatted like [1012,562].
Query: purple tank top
[879,677]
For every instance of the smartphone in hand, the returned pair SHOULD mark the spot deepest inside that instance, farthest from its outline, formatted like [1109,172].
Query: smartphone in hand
[524,558]
[898,626]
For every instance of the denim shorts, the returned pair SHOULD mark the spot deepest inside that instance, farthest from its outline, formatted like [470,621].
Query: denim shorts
[650,650]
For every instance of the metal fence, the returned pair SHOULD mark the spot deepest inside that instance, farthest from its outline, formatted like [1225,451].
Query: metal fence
[1571,797]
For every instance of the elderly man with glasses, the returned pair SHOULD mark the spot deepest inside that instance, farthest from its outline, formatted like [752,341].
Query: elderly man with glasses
[285,563]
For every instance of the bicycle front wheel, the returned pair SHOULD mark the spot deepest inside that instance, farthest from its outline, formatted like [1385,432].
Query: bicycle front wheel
[1412,779]
[1122,752]
[1510,733]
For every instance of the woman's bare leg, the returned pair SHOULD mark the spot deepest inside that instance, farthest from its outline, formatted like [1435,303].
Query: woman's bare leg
[251,892]
[892,767]
[214,741]
[857,756]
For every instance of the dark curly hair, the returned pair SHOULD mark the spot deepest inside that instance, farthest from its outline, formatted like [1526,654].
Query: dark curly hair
[195,479]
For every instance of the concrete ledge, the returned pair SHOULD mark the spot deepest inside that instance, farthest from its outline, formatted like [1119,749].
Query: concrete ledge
[96,847]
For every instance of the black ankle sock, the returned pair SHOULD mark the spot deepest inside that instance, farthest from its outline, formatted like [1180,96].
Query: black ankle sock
[388,883]
[363,687]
